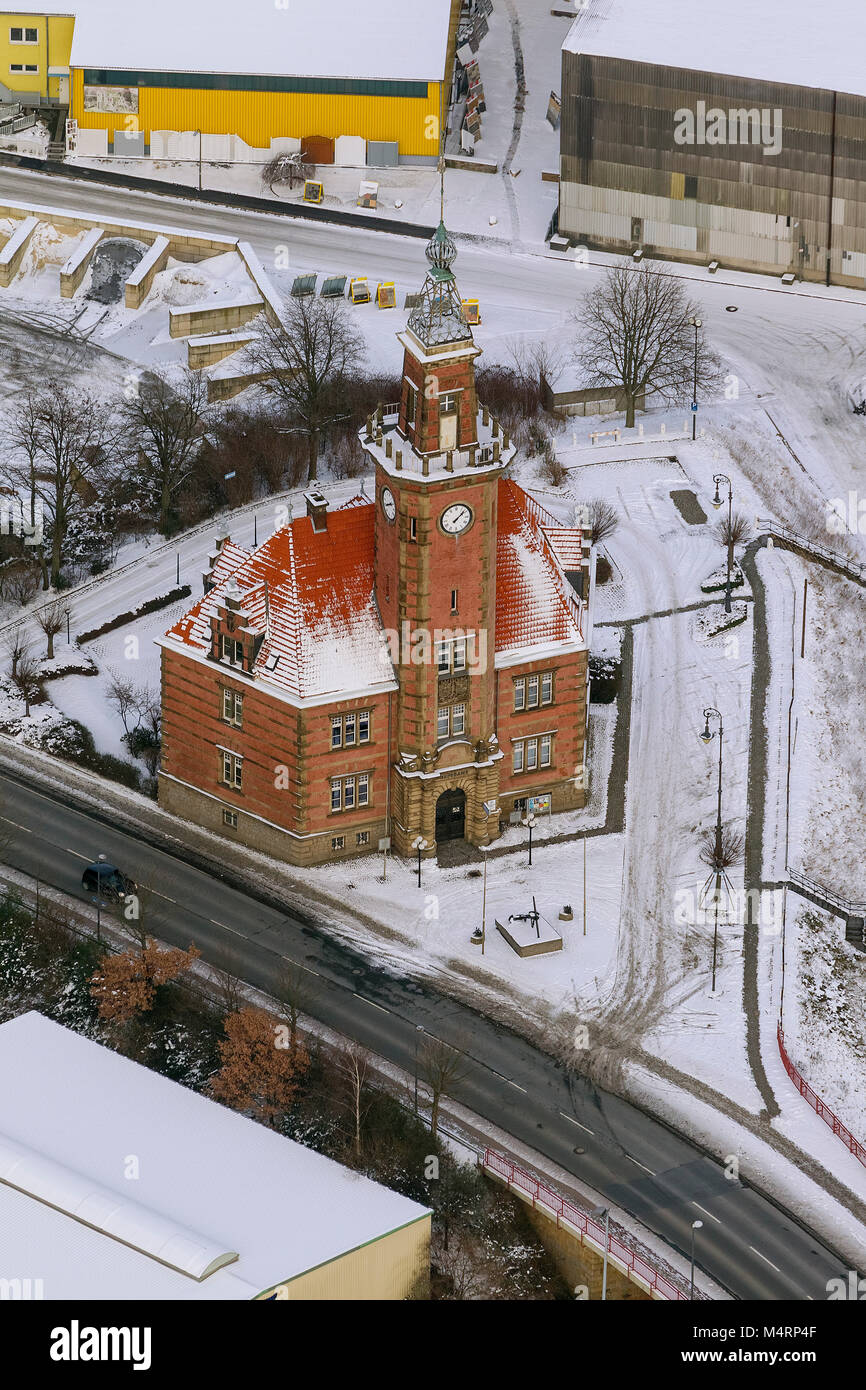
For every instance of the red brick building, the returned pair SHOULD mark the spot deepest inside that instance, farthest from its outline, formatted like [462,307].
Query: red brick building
[413,667]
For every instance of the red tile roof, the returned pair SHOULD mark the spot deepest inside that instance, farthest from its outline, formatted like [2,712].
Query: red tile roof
[311,595]
[535,604]
[324,625]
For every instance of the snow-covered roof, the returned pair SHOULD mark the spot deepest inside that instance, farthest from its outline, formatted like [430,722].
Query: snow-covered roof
[209,1184]
[311,596]
[800,43]
[535,604]
[385,40]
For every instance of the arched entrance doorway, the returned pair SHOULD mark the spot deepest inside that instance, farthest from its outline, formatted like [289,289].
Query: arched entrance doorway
[451,815]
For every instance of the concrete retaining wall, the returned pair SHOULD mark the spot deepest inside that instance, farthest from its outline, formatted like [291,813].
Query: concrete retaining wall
[187,319]
[205,352]
[12,253]
[76,267]
[139,283]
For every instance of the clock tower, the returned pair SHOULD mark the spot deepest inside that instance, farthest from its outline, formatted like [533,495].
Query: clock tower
[439,458]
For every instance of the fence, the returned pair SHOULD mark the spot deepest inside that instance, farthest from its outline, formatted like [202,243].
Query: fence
[841,1131]
[20,123]
[564,1211]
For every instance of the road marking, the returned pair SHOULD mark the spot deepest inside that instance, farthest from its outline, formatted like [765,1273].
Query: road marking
[380,1007]
[17,826]
[157,894]
[766,1261]
[518,1088]
[225,926]
[706,1213]
[641,1165]
[573,1121]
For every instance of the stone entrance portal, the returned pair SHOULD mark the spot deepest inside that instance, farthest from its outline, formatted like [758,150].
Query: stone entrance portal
[451,816]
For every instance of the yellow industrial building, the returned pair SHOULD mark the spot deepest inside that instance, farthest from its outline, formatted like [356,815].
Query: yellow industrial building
[283,75]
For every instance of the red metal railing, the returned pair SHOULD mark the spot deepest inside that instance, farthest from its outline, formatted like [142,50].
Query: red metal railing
[564,1211]
[841,1131]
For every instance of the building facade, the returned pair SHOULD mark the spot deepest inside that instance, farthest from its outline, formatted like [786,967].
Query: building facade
[34,57]
[757,162]
[412,668]
[227,83]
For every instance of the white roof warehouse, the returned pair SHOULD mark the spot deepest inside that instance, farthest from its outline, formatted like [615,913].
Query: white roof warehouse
[118,1183]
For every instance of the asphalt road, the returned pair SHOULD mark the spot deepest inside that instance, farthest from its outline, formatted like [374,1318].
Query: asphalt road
[747,1244]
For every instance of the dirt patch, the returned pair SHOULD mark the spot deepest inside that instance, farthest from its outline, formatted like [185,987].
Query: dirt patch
[688,506]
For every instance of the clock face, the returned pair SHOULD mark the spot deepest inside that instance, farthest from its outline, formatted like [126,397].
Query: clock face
[389,506]
[455,519]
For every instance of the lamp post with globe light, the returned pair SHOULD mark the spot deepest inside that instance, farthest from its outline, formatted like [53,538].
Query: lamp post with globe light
[706,737]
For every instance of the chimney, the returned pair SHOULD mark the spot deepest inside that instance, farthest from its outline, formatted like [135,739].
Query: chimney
[317,509]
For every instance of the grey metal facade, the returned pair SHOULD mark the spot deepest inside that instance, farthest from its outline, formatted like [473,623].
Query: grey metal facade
[625,181]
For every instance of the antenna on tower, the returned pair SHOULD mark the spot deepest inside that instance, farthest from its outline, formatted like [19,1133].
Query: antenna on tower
[442,182]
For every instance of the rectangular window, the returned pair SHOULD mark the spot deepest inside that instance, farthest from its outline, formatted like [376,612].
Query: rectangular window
[362,837]
[231,770]
[363,789]
[520,693]
[447,403]
[16,35]
[16,67]
[413,528]
[348,793]
[443,658]
[547,688]
[336,794]
[349,730]
[458,719]
[232,651]
[364,726]
[233,707]
[460,654]
[30,67]
[518,757]
[31,35]
[531,754]
[411,404]
[532,692]
[442,723]
[336,732]
[544,761]
[230,818]
[454,597]
[337,842]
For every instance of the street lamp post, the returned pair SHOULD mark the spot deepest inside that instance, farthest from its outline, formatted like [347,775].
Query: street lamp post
[695,323]
[706,737]
[420,844]
[529,822]
[604,1212]
[68,612]
[419,1028]
[696,1226]
[717,502]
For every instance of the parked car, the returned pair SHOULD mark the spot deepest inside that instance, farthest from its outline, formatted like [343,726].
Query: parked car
[107,880]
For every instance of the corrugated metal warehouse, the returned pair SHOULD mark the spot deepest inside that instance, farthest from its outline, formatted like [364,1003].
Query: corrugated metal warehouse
[758,163]
[275,75]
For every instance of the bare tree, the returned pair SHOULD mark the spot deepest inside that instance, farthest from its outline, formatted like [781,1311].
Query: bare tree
[16,645]
[22,585]
[637,334]
[602,519]
[285,170]
[71,433]
[26,680]
[294,991]
[51,617]
[442,1068]
[229,986]
[23,435]
[722,855]
[122,694]
[354,1064]
[306,358]
[163,426]
[737,531]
